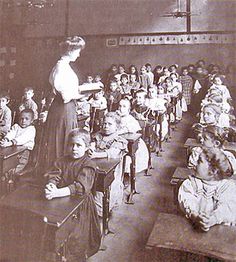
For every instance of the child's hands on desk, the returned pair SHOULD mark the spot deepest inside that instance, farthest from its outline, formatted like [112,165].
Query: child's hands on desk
[51,191]
[207,221]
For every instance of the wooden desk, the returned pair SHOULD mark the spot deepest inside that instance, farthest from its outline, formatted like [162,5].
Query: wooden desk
[180,174]
[8,160]
[191,142]
[133,139]
[105,176]
[32,227]
[176,233]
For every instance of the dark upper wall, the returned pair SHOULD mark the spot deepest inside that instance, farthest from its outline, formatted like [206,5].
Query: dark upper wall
[35,58]
[91,17]
[95,17]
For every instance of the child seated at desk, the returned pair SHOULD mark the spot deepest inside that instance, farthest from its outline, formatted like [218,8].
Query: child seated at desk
[75,174]
[125,88]
[211,137]
[113,95]
[28,102]
[219,87]
[98,79]
[108,144]
[139,109]
[5,114]
[157,105]
[208,197]
[130,125]
[98,101]
[212,114]
[22,134]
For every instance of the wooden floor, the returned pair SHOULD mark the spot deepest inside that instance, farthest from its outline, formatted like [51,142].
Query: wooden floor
[132,224]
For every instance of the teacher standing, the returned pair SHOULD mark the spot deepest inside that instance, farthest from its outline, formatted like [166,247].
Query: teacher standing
[62,113]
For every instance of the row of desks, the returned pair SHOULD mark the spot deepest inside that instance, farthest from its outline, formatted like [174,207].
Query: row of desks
[57,214]
[174,232]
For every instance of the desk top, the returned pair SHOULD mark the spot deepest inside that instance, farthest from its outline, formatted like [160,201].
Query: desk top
[175,232]
[31,198]
[131,137]
[6,152]
[191,142]
[182,173]
[105,165]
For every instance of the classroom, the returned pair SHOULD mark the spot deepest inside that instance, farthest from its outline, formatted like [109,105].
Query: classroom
[117,130]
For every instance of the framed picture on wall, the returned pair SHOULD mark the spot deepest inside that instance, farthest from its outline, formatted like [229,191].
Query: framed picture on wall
[111,42]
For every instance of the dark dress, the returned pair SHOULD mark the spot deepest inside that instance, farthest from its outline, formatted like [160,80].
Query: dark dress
[62,116]
[80,176]
[61,120]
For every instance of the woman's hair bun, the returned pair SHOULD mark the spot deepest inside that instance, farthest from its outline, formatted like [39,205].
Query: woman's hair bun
[72,43]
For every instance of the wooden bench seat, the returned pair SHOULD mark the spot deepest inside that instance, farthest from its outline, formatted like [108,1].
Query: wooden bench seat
[176,233]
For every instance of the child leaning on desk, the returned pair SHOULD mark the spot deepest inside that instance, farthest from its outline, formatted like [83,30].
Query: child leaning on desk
[74,174]
[208,197]
[108,144]
[22,134]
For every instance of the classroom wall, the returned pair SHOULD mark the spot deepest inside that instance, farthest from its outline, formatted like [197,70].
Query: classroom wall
[37,57]
[42,29]
[96,57]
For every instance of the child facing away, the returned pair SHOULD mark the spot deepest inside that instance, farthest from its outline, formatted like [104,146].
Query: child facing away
[113,95]
[74,175]
[22,134]
[5,114]
[130,125]
[208,196]
[108,144]
[28,102]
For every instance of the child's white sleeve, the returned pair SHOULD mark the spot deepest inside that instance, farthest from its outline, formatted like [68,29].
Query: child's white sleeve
[225,211]
[188,202]
[26,137]
[11,134]
[194,157]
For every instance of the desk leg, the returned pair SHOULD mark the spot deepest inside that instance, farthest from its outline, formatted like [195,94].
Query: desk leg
[132,182]
[105,212]
[160,139]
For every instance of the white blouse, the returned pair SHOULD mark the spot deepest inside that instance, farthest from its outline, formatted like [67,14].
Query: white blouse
[64,80]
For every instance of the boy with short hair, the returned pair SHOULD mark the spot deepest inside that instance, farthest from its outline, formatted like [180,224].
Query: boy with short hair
[22,134]
[28,102]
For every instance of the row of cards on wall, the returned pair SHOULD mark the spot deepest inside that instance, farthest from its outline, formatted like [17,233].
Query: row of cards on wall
[173,39]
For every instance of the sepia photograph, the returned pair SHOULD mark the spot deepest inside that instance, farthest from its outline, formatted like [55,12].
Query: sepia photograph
[117,130]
